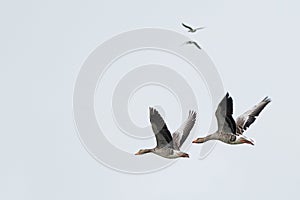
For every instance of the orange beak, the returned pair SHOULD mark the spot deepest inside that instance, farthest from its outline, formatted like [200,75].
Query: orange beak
[185,155]
[248,142]
[195,141]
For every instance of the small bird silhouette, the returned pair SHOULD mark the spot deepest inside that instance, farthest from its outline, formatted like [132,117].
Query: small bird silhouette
[192,30]
[194,43]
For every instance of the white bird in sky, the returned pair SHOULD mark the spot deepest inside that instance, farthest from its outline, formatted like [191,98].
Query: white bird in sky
[193,43]
[192,30]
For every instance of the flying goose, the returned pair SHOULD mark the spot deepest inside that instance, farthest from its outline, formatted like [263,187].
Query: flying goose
[193,43]
[168,146]
[229,130]
[192,30]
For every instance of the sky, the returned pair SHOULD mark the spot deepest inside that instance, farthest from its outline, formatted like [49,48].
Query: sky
[253,45]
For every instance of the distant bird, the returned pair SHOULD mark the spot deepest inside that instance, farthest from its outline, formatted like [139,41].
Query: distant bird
[229,130]
[193,43]
[169,146]
[192,30]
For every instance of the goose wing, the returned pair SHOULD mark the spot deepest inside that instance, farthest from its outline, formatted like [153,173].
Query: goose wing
[245,120]
[226,123]
[186,26]
[180,135]
[160,129]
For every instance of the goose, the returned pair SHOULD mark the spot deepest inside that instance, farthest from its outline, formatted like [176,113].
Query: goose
[231,131]
[191,30]
[193,43]
[168,146]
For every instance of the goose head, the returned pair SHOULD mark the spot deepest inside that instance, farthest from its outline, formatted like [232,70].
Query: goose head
[199,140]
[243,140]
[184,155]
[143,151]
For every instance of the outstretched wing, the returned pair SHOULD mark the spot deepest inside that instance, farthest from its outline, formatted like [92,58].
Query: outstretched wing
[226,123]
[245,120]
[186,26]
[196,44]
[180,135]
[199,28]
[160,129]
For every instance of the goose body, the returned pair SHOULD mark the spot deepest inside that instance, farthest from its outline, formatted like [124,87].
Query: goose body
[231,131]
[169,153]
[167,145]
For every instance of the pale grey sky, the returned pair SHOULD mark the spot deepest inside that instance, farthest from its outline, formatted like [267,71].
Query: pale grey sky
[254,45]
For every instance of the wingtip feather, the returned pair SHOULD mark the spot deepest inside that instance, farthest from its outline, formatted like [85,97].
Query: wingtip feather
[192,113]
[267,99]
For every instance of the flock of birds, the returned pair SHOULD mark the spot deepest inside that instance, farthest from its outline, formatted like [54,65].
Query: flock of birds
[229,131]
[192,30]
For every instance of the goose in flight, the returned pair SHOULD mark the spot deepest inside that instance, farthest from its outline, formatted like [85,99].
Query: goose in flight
[192,30]
[167,145]
[229,130]
[193,43]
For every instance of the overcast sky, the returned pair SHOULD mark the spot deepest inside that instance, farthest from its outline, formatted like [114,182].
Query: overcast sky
[254,45]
